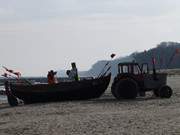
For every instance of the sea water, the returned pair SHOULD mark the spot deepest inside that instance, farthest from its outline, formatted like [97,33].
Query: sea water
[2,97]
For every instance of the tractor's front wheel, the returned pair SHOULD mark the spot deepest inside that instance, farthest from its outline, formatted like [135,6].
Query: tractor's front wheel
[165,92]
[125,88]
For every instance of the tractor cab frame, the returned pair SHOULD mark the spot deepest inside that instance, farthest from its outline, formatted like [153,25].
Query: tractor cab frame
[133,68]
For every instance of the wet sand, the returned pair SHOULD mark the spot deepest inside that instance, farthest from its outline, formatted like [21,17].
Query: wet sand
[147,116]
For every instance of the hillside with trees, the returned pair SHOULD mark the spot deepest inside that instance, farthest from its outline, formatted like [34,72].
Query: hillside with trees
[166,55]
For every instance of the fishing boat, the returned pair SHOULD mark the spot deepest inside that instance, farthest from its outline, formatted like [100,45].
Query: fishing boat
[71,90]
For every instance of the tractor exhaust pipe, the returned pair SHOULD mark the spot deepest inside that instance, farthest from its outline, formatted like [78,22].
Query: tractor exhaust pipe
[154,68]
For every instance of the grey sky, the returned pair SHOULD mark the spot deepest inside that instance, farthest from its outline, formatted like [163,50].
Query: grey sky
[38,35]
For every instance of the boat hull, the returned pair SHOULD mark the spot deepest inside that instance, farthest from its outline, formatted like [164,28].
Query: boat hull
[79,90]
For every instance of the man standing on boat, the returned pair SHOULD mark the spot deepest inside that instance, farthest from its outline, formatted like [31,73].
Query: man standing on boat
[51,77]
[73,73]
[70,75]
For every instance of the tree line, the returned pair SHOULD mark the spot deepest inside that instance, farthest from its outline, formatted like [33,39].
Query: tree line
[166,55]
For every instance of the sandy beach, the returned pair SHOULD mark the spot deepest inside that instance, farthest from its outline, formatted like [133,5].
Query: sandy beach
[146,116]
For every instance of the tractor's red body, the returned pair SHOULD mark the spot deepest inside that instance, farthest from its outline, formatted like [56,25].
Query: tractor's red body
[133,80]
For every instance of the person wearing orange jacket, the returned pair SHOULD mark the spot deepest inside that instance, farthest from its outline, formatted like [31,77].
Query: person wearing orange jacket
[51,77]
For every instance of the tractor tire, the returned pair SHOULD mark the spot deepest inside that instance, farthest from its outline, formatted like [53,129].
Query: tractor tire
[126,89]
[114,93]
[113,90]
[165,92]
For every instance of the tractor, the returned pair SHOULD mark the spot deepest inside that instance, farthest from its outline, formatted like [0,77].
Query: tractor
[135,80]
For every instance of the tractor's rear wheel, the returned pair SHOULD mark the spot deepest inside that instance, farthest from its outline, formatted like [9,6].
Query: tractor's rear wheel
[113,90]
[165,92]
[126,88]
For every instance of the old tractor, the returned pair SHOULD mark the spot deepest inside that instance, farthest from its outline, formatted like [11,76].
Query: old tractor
[134,80]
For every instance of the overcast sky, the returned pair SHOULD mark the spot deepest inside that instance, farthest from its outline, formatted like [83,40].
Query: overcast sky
[39,35]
